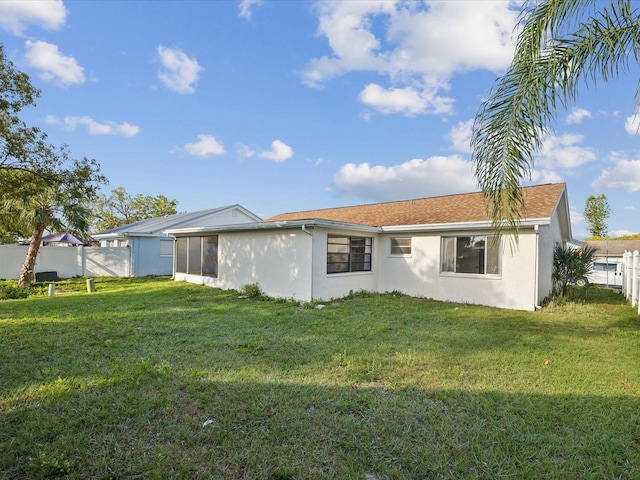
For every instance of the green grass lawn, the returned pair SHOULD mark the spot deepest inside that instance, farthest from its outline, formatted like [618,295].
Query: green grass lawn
[149,378]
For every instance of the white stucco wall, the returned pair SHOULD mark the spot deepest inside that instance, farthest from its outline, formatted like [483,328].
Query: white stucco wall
[419,274]
[550,236]
[336,285]
[277,260]
[293,264]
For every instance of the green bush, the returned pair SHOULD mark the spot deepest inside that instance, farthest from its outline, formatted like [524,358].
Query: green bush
[251,290]
[11,292]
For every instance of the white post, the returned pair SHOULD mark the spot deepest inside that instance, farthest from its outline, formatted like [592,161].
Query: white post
[626,275]
[635,275]
[52,289]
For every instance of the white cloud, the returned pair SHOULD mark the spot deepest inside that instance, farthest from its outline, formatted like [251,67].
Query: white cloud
[562,151]
[577,115]
[632,124]
[279,152]
[624,175]
[180,73]
[576,215]
[244,152]
[16,15]
[460,136]
[247,5]
[413,179]
[54,67]
[205,146]
[404,100]
[416,45]
[545,176]
[620,233]
[94,128]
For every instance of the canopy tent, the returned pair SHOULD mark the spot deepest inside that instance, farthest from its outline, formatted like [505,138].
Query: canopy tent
[66,237]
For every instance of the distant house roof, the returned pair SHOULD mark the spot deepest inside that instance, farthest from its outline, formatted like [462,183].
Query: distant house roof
[540,202]
[158,225]
[614,247]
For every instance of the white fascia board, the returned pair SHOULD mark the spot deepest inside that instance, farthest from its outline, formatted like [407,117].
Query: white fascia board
[459,226]
[108,236]
[291,224]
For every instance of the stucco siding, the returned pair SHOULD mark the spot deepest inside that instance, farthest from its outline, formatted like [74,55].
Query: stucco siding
[550,236]
[418,274]
[278,261]
[334,285]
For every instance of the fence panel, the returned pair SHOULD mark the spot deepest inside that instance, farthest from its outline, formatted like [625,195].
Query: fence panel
[67,261]
[631,278]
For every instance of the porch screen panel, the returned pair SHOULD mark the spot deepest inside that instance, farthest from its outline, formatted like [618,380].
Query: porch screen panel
[210,256]
[181,254]
[194,261]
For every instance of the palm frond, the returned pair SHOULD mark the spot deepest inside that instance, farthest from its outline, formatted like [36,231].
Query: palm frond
[563,43]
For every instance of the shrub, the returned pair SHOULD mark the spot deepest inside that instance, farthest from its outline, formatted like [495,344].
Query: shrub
[251,290]
[11,292]
[571,266]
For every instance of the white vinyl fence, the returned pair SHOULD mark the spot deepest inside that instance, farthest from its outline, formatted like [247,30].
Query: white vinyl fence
[631,277]
[67,262]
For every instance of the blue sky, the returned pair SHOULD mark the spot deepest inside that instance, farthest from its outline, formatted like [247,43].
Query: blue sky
[292,105]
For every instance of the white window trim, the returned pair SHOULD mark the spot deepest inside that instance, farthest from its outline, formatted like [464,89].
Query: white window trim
[477,276]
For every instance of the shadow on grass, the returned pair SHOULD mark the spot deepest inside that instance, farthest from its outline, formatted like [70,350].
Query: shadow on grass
[155,424]
[183,381]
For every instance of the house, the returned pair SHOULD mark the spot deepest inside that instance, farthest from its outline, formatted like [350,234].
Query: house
[151,250]
[607,265]
[439,247]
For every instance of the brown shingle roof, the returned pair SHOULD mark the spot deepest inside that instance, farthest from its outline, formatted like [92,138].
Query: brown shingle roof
[614,247]
[540,202]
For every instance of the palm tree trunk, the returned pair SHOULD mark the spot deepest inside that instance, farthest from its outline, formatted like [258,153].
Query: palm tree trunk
[26,272]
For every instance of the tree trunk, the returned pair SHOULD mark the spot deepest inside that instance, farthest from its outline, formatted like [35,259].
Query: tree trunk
[26,272]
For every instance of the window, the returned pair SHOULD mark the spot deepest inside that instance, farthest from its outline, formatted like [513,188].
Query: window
[476,254]
[604,267]
[197,255]
[348,254]
[400,246]
[166,248]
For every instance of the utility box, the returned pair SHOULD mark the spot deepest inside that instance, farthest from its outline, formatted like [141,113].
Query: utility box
[46,277]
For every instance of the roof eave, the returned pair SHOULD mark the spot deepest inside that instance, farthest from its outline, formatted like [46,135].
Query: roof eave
[459,226]
[287,224]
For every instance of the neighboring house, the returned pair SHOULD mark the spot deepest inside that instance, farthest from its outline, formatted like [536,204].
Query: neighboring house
[151,250]
[607,266]
[441,247]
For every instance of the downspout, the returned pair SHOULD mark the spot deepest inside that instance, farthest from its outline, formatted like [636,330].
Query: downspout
[536,286]
[130,245]
[304,229]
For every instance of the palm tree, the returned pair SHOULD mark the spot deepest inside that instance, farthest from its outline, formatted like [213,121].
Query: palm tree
[562,43]
[35,204]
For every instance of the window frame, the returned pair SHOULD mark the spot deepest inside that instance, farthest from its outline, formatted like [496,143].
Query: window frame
[354,253]
[399,247]
[490,263]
